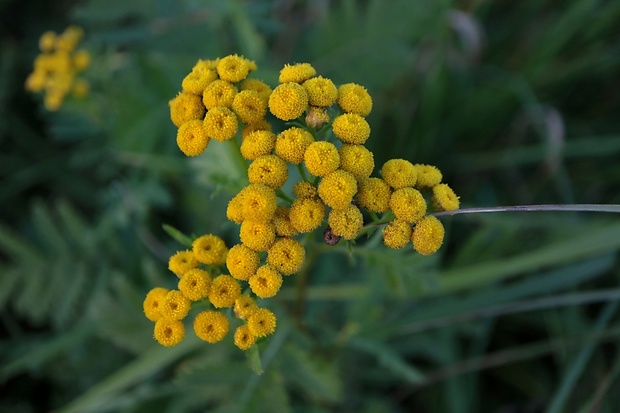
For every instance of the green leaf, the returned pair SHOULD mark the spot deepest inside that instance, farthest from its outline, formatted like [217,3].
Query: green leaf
[178,235]
[253,358]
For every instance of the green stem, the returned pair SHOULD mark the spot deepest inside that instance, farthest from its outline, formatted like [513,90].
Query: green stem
[236,153]
[302,172]
[280,193]
[613,208]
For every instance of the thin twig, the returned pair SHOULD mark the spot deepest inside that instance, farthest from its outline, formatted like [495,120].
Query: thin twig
[613,208]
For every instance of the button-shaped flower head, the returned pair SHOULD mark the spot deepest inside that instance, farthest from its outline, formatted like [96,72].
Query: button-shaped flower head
[374,194]
[242,262]
[211,326]
[288,101]
[224,291]
[266,282]
[169,332]
[287,255]
[427,235]
[354,98]
[347,222]
[399,173]
[397,234]
[210,249]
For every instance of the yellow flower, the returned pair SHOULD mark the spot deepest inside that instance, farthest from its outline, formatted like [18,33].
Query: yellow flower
[36,81]
[307,214]
[428,176]
[221,123]
[81,60]
[224,291]
[297,73]
[175,306]
[287,255]
[351,128]
[337,189]
[374,194]
[211,326]
[321,158]
[204,65]
[304,189]
[69,39]
[292,143]
[399,173]
[197,80]
[81,88]
[354,98]
[233,68]
[248,105]
[262,88]
[288,101]
[269,170]
[192,138]
[53,101]
[408,204]
[444,198]
[257,235]
[254,126]
[427,235]
[181,262]
[243,338]
[317,117]
[346,222]
[266,282]
[321,91]
[357,160]
[259,202]
[195,284]
[244,306]
[219,93]
[242,262]
[210,249]
[282,222]
[186,107]
[234,211]
[169,332]
[262,322]
[152,302]
[47,41]
[397,233]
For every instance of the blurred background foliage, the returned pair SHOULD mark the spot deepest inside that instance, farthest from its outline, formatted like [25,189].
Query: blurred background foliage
[516,102]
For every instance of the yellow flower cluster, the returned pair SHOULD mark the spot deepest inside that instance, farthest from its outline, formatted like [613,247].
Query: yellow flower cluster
[57,66]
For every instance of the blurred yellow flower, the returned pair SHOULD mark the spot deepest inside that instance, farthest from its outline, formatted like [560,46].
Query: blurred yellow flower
[152,303]
[244,306]
[297,73]
[243,338]
[262,88]
[304,189]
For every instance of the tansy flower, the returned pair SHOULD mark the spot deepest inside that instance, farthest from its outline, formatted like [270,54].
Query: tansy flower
[399,173]
[307,214]
[262,322]
[427,235]
[234,210]
[242,262]
[266,282]
[321,158]
[374,194]
[53,101]
[351,128]
[195,284]
[291,144]
[211,326]
[287,255]
[408,204]
[234,68]
[288,101]
[69,39]
[175,305]
[248,105]
[297,73]
[428,176]
[152,302]
[169,332]
[197,80]
[192,138]
[219,93]
[221,123]
[357,160]
[256,235]
[304,189]
[47,41]
[397,234]
[346,222]
[186,107]
[337,189]
[224,291]
[244,306]
[35,82]
[317,117]
[444,198]
[282,222]
[181,262]
[354,98]
[210,249]
[243,338]
[204,65]
[262,88]
[81,60]
[269,170]
[259,202]
[321,91]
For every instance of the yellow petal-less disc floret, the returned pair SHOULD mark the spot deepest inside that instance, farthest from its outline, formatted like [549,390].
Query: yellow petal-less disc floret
[242,262]
[234,210]
[175,305]
[181,262]
[399,173]
[221,123]
[354,98]
[219,93]
[234,68]
[211,326]
[169,332]
[262,88]
[262,322]
[304,189]
[195,284]
[374,194]
[47,41]
[428,176]
[321,91]
[269,170]
[186,107]
[256,235]
[408,204]
[357,160]
[244,306]
[266,282]
[249,106]
[444,198]
[397,233]
[192,138]
[243,338]
[259,202]
[427,235]
[282,222]
[210,249]
[288,101]
[321,158]
[224,291]
[297,73]
[152,303]
[337,189]
[287,255]
[196,81]
[347,222]
[291,144]
[351,128]
[307,214]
